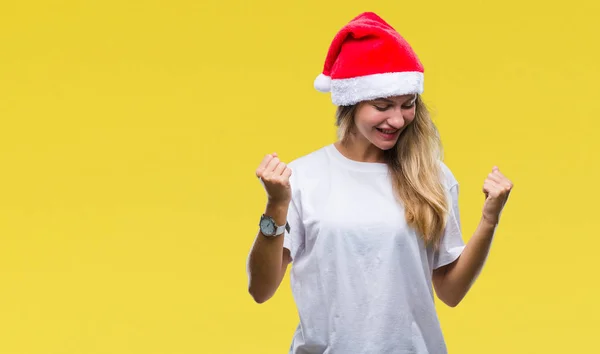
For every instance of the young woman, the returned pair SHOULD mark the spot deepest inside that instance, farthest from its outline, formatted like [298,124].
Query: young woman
[371,222]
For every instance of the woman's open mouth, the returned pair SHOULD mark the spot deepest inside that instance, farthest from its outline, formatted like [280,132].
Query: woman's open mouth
[388,134]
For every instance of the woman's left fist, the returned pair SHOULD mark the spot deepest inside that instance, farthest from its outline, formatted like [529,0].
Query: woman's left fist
[496,189]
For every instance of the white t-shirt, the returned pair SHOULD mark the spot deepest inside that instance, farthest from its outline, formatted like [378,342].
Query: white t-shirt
[360,277]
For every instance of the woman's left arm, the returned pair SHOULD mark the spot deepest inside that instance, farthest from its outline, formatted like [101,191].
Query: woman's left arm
[453,281]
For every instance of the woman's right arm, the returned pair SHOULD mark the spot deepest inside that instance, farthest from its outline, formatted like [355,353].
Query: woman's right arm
[268,259]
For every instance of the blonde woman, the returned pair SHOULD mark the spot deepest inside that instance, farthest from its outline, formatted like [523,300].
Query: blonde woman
[370,224]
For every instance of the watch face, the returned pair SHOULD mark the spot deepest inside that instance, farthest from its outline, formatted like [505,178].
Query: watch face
[267,227]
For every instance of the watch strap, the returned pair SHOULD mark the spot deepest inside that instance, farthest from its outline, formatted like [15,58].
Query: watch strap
[282,228]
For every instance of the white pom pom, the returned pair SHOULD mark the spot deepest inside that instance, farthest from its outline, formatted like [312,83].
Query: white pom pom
[323,83]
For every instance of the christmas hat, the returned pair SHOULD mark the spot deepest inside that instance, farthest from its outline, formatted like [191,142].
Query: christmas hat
[368,59]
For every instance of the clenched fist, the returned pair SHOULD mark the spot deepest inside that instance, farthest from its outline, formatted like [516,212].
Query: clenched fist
[496,189]
[275,177]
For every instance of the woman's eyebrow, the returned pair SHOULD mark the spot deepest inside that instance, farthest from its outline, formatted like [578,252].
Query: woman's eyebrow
[384,100]
[387,100]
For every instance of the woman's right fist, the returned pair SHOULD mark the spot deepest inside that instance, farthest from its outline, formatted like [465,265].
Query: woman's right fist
[275,177]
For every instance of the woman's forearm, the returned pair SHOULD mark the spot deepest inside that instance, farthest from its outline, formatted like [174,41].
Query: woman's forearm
[267,262]
[454,283]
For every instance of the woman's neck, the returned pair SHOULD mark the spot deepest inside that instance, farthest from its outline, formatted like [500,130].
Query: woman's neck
[362,151]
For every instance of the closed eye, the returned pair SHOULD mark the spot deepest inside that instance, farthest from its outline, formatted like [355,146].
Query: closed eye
[382,108]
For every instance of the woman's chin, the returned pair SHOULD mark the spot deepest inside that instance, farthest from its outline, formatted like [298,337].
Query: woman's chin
[385,145]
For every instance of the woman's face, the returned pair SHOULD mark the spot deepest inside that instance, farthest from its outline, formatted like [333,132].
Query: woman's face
[381,121]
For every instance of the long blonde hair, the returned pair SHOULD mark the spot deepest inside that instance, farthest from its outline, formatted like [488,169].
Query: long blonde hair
[414,164]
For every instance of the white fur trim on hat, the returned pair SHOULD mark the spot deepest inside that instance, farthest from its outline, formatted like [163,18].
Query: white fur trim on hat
[350,91]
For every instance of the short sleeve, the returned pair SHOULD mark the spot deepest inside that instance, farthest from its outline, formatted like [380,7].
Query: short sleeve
[451,244]
[294,239]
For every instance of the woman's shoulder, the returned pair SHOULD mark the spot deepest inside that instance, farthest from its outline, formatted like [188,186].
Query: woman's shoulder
[310,160]
[309,167]
[447,175]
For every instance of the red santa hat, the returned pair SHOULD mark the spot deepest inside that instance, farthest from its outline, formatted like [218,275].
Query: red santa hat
[368,59]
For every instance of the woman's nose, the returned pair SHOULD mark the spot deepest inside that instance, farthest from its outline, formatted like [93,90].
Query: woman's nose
[396,120]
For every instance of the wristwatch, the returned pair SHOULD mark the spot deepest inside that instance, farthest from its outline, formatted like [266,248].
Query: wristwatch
[269,228]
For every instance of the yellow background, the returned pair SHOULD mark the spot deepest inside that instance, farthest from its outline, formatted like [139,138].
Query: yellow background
[130,131]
